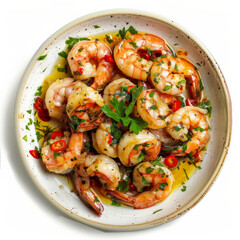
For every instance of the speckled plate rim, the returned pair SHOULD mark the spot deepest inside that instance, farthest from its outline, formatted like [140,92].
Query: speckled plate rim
[222,82]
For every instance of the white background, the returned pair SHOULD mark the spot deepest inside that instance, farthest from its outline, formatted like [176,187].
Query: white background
[25,25]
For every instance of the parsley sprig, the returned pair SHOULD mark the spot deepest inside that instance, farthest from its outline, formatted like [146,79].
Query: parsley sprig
[122,112]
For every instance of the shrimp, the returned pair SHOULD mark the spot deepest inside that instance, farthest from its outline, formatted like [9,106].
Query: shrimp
[133,148]
[193,119]
[57,95]
[132,55]
[154,183]
[91,58]
[153,110]
[101,166]
[169,75]
[63,161]
[104,140]
[83,108]
[120,89]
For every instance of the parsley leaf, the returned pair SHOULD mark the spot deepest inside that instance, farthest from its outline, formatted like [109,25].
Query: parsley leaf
[42,57]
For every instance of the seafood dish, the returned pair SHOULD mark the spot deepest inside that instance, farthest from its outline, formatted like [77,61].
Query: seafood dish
[124,116]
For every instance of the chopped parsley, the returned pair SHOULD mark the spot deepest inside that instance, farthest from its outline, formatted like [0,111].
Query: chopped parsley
[63,54]
[157,211]
[122,112]
[42,57]
[168,87]
[72,41]
[96,26]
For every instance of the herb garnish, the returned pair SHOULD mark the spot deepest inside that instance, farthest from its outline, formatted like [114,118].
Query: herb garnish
[136,124]
[42,57]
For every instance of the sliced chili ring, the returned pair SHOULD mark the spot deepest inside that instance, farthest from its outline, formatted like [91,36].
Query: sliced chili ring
[58,146]
[171,161]
[110,139]
[39,104]
[176,105]
[43,115]
[56,134]
[108,58]
[35,153]
[197,157]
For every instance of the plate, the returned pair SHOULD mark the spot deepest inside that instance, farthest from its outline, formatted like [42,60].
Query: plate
[57,190]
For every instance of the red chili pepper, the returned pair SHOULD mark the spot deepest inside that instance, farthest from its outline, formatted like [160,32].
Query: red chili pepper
[132,186]
[171,161]
[145,55]
[110,139]
[80,70]
[35,153]
[42,112]
[108,58]
[38,104]
[43,115]
[56,134]
[190,102]
[176,105]
[197,157]
[58,146]
[129,88]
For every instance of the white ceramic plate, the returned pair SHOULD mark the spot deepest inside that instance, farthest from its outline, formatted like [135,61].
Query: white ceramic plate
[57,190]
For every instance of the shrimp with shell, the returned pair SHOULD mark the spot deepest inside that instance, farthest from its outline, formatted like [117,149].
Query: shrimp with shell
[154,182]
[100,166]
[91,59]
[132,54]
[153,110]
[133,148]
[61,153]
[189,125]
[83,108]
[169,75]
[57,95]
[120,89]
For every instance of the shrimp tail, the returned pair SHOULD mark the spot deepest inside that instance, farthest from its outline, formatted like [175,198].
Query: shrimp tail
[123,198]
[86,193]
[194,88]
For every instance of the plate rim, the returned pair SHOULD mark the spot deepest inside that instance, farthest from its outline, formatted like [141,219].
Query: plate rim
[205,189]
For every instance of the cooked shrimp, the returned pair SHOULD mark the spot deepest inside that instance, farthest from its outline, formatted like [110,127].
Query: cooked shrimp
[88,59]
[64,160]
[168,99]
[129,56]
[102,167]
[153,110]
[120,89]
[57,95]
[156,179]
[104,140]
[169,75]
[193,119]
[83,108]
[133,148]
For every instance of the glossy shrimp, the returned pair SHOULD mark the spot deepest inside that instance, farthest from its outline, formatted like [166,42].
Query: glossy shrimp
[170,75]
[154,183]
[105,140]
[133,55]
[83,108]
[57,95]
[167,98]
[91,58]
[100,166]
[191,119]
[61,153]
[133,148]
[153,110]
[120,89]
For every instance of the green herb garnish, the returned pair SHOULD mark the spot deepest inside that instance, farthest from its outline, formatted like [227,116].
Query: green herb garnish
[42,57]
